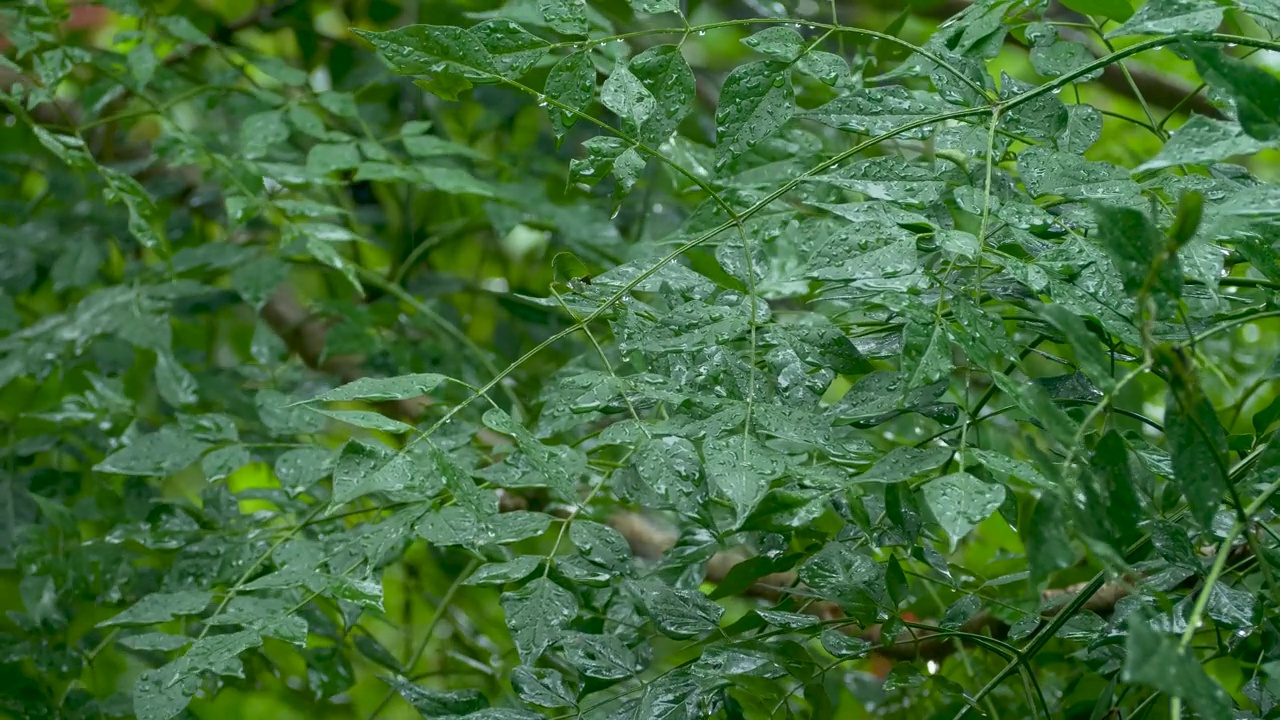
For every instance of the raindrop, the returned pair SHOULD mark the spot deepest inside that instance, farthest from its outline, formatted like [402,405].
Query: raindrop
[702,33]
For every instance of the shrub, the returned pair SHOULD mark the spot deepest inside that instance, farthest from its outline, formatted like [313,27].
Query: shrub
[640,361]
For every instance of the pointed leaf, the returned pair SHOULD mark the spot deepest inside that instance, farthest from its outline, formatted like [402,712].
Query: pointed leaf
[158,454]
[400,387]
[565,16]
[663,71]
[1154,660]
[740,471]
[961,501]
[778,42]
[756,100]
[162,607]
[514,50]
[1169,17]
[1205,141]
[572,83]
[537,615]
[1256,91]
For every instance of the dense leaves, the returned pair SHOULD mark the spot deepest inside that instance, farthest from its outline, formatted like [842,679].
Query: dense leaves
[635,360]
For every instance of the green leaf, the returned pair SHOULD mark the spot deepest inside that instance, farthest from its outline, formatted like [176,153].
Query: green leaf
[664,73]
[1205,141]
[740,472]
[269,617]
[982,334]
[874,111]
[1255,91]
[677,613]
[542,686]
[1197,447]
[745,574]
[158,641]
[257,281]
[668,469]
[626,96]
[77,267]
[1111,509]
[844,646]
[1089,355]
[1232,608]
[162,607]
[601,545]
[453,181]
[560,466]
[300,468]
[280,415]
[961,501]
[537,615]
[1062,57]
[1155,660]
[501,573]
[565,16]
[1048,172]
[183,29]
[1169,17]
[222,462]
[600,656]
[400,387]
[926,352]
[1042,118]
[367,420]
[905,462]
[459,483]
[142,62]
[1118,11]
[777,42]
[756,100]
[844,574]
[437,703]
[572,83]
[448,58]
[893,179]
[175,384]
[655,7]
[364,468]
[1138,251]
[514,50]
[162,694]
[431,146]
[451,525]
[158,454]
[325,158]
[1045,537]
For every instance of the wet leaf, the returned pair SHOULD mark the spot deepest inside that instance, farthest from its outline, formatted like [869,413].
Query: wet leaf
[160,453]
[572,83]
[961,501]
[1256,91]
[779,43]
[537,615]
[1154,660]
[755,102]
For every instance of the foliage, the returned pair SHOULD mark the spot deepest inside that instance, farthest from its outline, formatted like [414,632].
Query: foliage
[637,360]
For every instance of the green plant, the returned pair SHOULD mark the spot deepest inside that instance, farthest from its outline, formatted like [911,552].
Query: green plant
[566,360]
